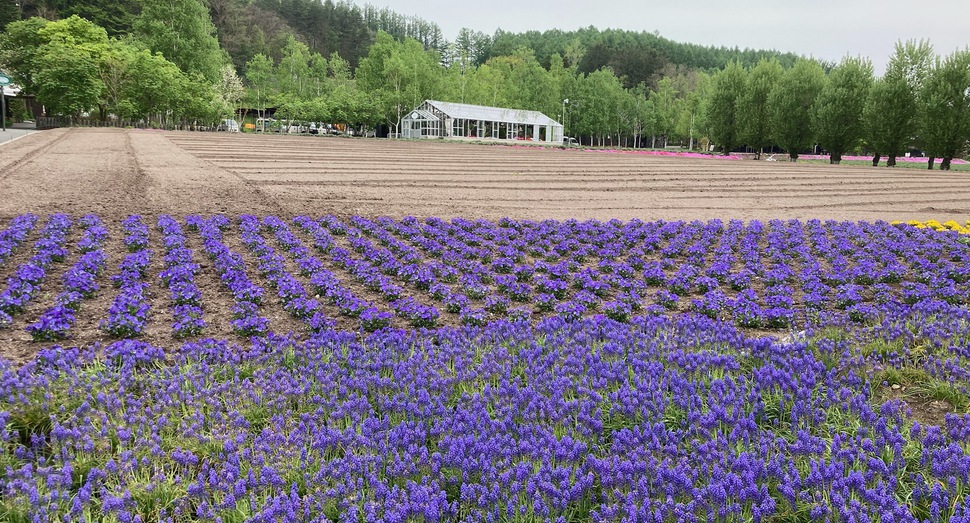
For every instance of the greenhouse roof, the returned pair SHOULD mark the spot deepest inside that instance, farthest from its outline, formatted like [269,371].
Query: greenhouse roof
[421,114]
[492,114]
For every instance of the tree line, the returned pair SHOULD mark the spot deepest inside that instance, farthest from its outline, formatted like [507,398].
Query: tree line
[921,102]
[169,68]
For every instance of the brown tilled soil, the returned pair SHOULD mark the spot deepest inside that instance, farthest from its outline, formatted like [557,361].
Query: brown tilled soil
[114,173]
[117,172]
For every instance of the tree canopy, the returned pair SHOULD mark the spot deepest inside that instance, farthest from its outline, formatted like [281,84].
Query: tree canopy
[837,113]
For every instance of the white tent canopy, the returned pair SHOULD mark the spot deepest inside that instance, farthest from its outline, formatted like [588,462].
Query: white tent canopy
[434,119]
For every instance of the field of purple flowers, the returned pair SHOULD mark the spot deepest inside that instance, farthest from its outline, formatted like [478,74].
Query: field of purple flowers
[432,370]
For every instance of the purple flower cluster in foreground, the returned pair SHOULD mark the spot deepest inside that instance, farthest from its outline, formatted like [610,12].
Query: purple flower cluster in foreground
[232,271]
[128,315]
[25,282]
[604,371]
[653,419]
[79,282]
[179,277]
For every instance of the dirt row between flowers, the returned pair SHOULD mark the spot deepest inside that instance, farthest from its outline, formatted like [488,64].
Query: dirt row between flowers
[118,172]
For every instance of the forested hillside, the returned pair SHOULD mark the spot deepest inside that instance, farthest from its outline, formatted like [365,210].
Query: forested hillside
[248,27]
[635,56]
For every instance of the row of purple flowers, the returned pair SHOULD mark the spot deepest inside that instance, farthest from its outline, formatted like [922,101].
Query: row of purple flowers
[657,419]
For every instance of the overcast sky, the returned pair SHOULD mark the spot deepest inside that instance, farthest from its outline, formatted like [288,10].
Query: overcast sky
[827,29]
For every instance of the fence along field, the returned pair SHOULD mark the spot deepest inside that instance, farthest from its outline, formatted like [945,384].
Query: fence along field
[315,367]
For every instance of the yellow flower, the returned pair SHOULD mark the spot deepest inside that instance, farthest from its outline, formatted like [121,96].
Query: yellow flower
[949,225]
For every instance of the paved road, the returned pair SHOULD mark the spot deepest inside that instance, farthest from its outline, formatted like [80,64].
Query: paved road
[12,134]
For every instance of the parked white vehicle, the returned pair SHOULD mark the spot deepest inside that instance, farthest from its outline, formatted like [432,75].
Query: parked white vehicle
[265,124]
[229,125]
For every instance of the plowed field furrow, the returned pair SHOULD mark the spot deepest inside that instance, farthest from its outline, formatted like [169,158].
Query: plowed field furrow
[117,172]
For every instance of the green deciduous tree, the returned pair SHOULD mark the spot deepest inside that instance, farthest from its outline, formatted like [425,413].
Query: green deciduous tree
[753,111]
[183,32]
[693,86]
[9,12]
[946,103]
[155,88]
[293,72]
[68,76]
[791,103]
[890,115]
[19,47]
[727,87]
[259,74]
[139,83]
[837,114]
[400,75]
[663,105]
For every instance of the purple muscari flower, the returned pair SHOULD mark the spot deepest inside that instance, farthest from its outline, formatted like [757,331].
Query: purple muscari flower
[133,353]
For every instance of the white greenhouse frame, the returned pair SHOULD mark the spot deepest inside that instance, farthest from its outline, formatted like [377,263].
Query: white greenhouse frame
[434,119]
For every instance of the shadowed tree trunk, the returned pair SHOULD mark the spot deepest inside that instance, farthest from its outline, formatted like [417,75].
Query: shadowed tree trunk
[875,160]
[792,157]
[945,164]
[930,162]
[835,158]
[891,161]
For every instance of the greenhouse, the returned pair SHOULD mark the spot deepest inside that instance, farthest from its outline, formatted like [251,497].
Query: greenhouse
[434,119]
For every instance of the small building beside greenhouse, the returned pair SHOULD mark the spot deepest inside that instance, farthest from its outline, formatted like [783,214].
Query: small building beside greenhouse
[434,119]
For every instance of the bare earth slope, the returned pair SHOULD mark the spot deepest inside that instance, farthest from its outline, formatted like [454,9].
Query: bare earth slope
[117,172]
